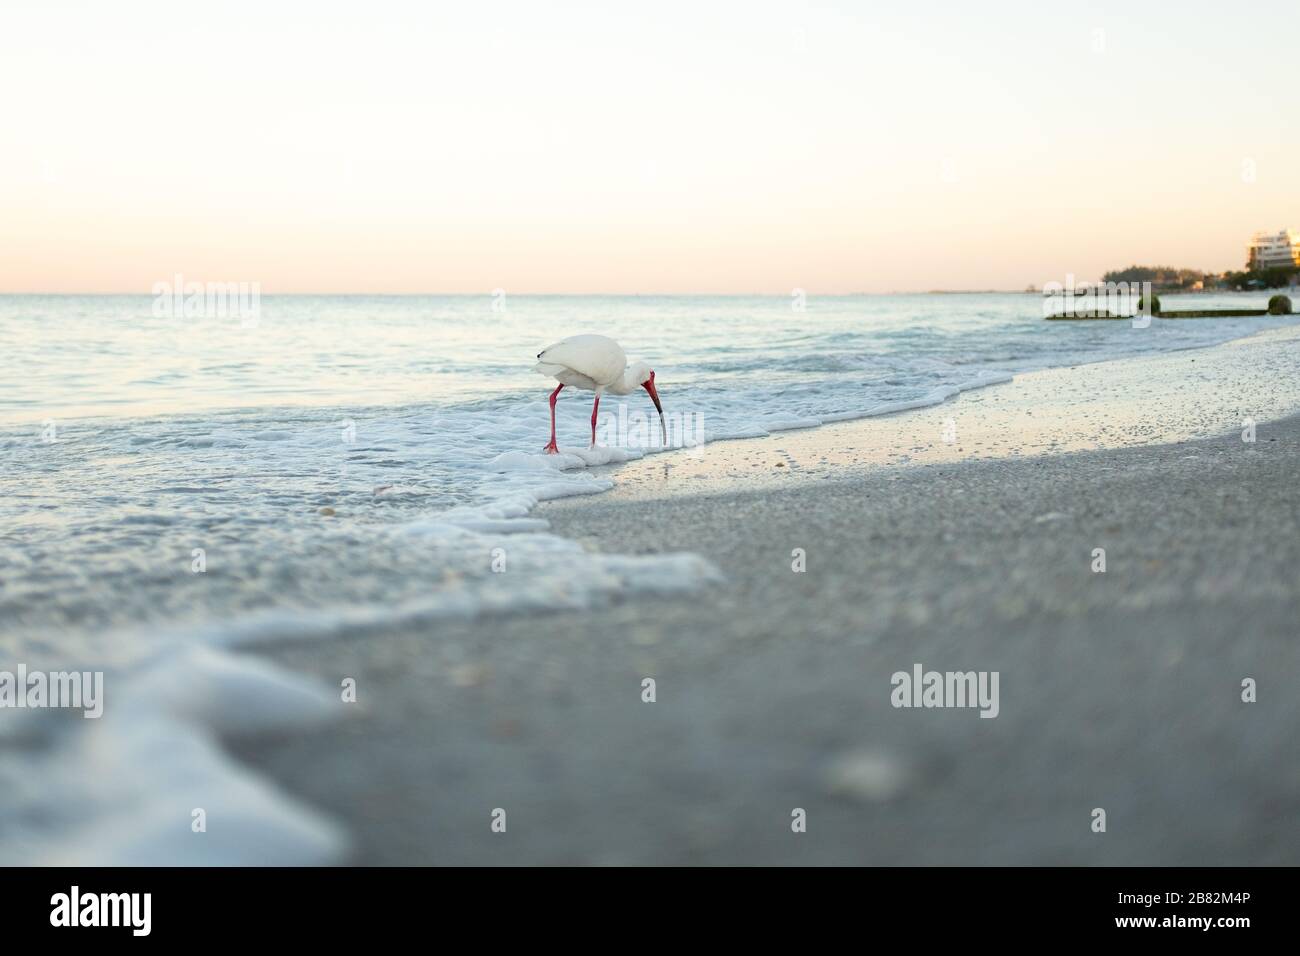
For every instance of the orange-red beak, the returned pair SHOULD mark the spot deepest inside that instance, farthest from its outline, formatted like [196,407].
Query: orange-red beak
[649,386]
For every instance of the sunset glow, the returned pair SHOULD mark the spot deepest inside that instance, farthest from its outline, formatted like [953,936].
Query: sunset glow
[732,148]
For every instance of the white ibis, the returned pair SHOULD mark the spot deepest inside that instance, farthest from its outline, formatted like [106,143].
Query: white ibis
[596,363]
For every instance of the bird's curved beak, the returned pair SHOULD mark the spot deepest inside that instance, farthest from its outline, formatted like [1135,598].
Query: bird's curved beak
[649,386]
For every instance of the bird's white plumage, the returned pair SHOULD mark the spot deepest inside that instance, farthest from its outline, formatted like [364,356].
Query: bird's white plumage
[598,364]
[583,361]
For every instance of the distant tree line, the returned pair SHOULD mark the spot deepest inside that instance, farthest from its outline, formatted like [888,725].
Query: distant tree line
[1168,278]
[1162,277]
[1277,277]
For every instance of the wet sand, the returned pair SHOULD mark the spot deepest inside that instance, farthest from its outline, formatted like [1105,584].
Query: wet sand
[1119,690]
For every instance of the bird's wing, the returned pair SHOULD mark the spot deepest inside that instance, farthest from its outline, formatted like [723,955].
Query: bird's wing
[565,375]
[597,357]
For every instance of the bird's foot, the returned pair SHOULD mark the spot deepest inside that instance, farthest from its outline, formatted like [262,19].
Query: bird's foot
[551,449]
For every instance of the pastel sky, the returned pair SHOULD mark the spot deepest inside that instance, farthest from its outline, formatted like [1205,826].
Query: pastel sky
[660,147]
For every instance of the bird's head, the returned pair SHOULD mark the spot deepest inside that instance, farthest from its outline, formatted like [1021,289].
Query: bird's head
[648,383]
[645,376]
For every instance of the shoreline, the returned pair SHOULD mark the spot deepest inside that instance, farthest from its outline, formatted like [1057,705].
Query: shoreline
[1119,689]
[1047,411]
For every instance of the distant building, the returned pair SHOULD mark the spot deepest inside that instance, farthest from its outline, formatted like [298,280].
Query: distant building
[1280,250]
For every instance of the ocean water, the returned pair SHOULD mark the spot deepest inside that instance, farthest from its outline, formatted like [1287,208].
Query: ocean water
[175,487]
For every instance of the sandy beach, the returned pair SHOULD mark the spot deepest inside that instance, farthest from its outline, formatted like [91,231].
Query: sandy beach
[961,537]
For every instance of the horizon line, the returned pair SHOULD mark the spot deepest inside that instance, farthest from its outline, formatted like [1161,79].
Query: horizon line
[489,293]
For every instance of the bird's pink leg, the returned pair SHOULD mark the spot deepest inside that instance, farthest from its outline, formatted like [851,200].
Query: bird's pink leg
[552,449]
[594,405]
